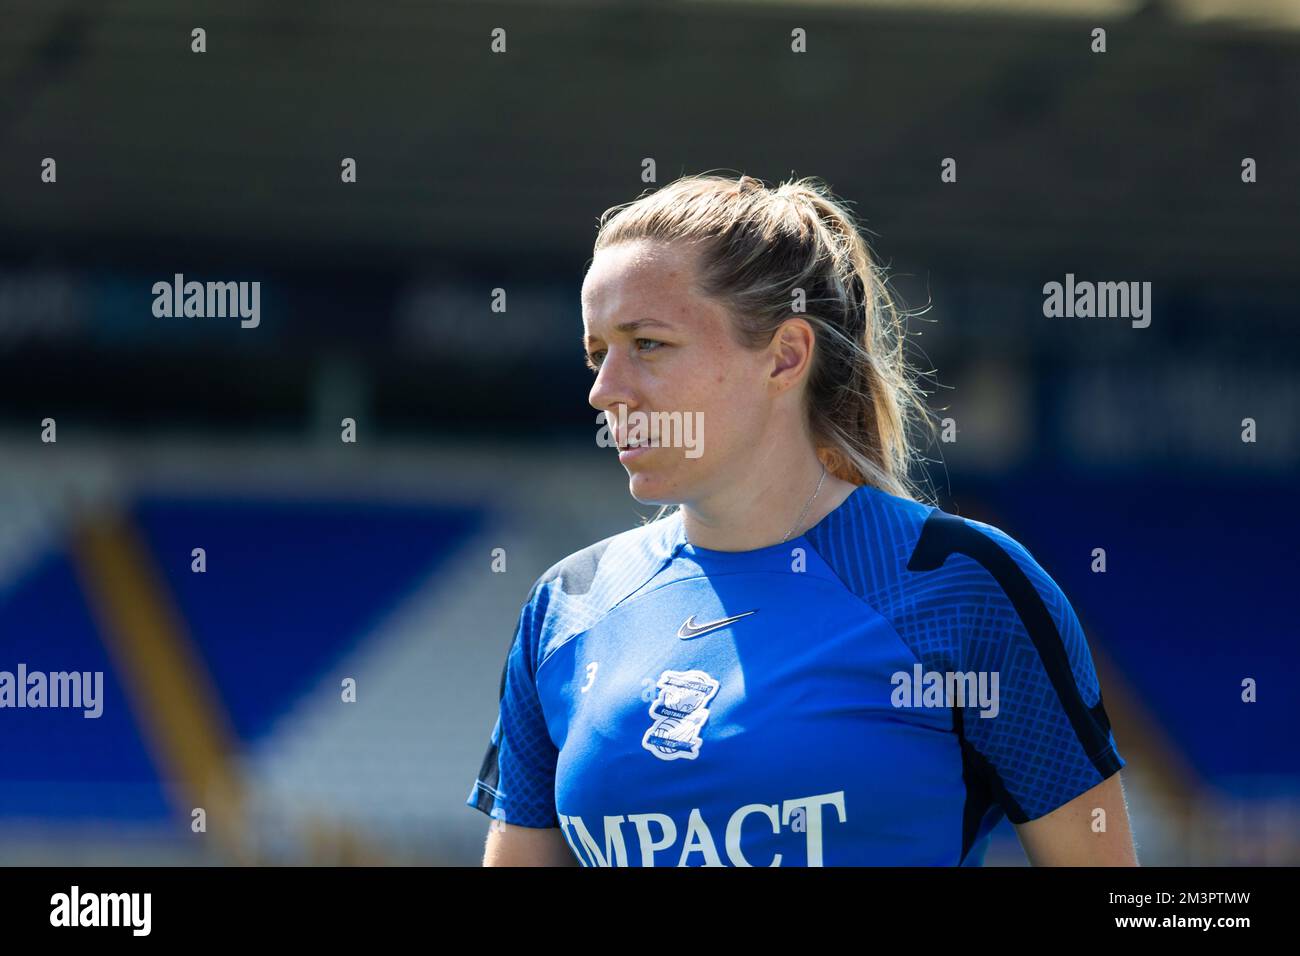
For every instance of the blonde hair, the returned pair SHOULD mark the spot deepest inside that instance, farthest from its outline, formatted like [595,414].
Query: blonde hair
[756,246]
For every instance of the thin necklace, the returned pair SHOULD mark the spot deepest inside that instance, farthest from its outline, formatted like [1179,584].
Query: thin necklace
[806,506]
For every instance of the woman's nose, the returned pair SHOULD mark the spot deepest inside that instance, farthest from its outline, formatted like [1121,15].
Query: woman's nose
[611,387]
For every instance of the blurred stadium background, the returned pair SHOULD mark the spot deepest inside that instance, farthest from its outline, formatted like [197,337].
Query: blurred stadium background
[476,172]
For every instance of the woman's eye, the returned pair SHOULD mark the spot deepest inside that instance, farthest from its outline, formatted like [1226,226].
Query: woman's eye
[645,345]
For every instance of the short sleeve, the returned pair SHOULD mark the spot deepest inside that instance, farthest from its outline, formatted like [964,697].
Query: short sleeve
[516,782]
[1046,739]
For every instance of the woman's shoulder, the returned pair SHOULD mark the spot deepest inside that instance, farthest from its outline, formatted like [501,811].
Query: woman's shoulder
[958,591]
[896,550]
[592,579]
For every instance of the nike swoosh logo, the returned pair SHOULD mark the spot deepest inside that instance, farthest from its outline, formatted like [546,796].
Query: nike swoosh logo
[690,629]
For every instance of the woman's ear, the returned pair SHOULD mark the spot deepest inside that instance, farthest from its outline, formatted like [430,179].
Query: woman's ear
[791,351]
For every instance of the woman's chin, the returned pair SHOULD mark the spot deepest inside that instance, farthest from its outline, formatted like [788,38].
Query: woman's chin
[651,488]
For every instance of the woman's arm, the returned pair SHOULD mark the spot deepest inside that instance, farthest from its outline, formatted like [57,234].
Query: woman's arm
[1066,836]
[526,846]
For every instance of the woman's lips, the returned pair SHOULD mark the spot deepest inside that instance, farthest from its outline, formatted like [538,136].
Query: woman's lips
[627,454]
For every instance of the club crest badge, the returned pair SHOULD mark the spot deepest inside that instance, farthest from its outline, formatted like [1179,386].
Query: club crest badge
[679,711]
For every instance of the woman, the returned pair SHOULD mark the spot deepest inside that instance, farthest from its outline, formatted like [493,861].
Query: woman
[803,665]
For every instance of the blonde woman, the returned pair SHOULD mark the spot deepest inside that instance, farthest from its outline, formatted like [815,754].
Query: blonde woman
[803,664]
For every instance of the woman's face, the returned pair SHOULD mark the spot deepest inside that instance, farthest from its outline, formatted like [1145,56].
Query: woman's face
[658,346]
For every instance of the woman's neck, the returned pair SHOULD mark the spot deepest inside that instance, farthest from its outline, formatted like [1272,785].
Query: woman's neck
[766,509]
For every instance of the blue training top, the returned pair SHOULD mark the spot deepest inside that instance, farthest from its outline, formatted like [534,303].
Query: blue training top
[880,690]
